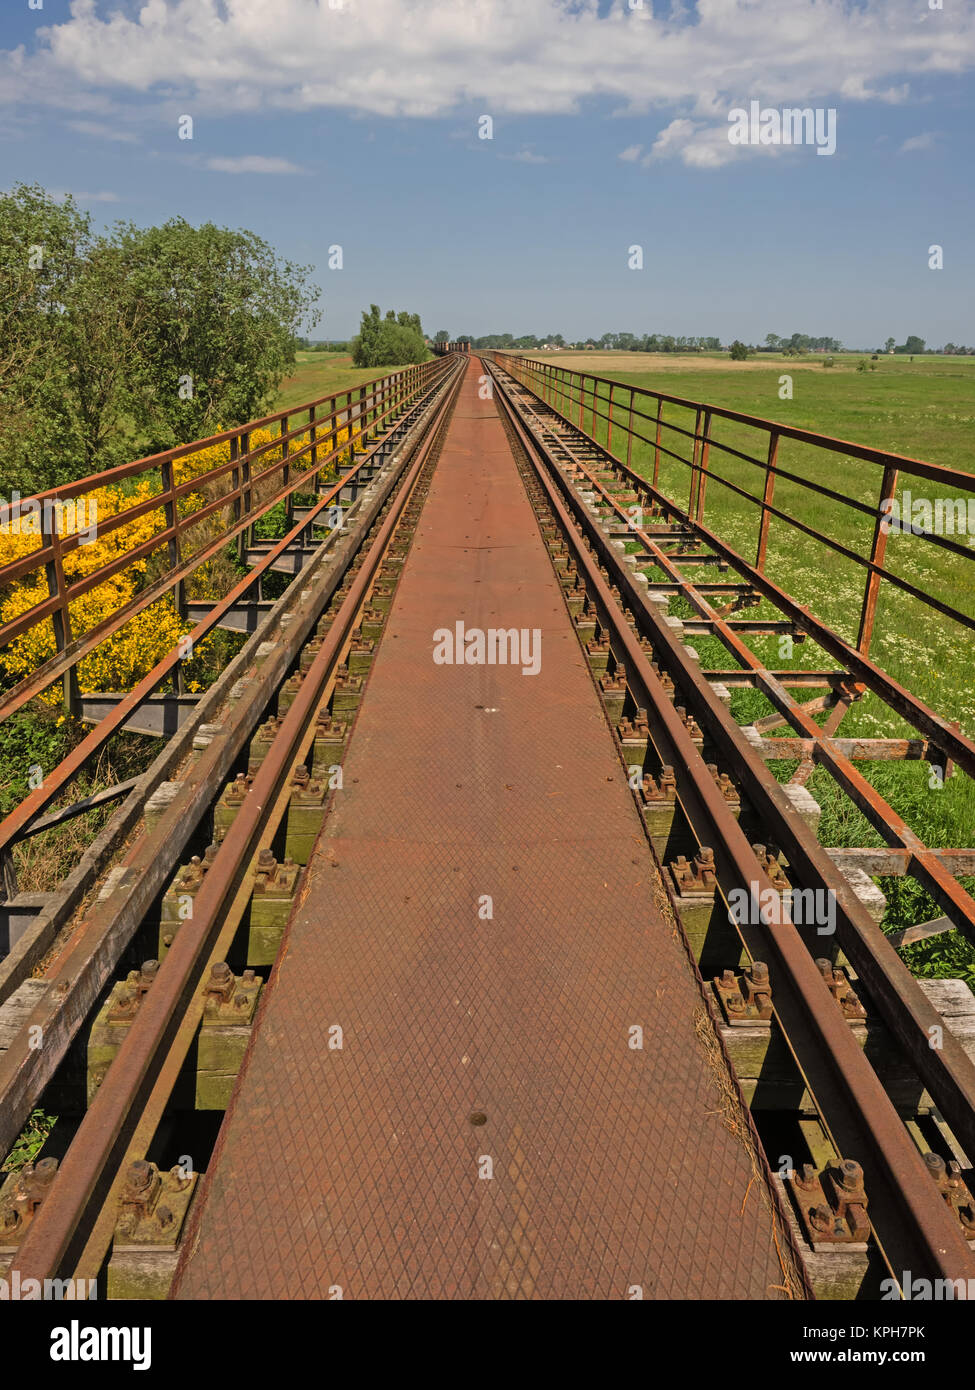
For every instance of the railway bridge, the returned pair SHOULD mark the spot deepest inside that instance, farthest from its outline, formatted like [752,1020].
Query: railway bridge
[471,931]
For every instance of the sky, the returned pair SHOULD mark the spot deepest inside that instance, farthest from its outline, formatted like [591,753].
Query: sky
[358,124]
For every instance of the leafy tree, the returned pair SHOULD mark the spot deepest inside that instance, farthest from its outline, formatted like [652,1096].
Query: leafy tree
[43,244]
[441,336]
[738,351]
[215,316]
[889,345]
[390,341]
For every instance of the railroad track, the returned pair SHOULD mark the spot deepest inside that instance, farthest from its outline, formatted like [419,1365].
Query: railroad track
[208,861]
[307,661]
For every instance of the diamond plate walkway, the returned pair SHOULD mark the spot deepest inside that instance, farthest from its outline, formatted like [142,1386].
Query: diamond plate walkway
[485,1130]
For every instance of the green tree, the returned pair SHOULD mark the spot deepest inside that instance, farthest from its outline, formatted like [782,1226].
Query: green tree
[43,245]
[738,351]
[390,341]
[215,317]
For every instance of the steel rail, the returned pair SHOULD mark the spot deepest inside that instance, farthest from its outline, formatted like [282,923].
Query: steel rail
[950,741]
[915,1227]
[12,827]
[947,1071]
[151,1113]
[108,1123]
[86,962]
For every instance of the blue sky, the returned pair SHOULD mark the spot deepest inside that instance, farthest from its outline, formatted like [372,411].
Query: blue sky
[358,126]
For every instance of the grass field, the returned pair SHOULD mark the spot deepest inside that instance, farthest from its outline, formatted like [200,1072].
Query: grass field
[924,409]
[321,373]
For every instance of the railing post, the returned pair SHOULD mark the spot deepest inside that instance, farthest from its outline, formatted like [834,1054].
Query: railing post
[695,473]
[171,511]
[773,454]
[702,479]
[609,427]
[877,553]
[313,439]
[57,588]
[629,431]
[246,537]
[289,501]
[656,445]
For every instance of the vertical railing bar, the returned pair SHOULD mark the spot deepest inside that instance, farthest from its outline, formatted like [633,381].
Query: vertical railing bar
[770,464]
[878,550]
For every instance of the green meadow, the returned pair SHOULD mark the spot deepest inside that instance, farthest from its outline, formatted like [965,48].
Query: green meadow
[922,409]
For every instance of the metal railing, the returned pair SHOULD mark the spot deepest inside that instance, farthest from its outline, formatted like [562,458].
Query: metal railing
[238,491]
[636,416]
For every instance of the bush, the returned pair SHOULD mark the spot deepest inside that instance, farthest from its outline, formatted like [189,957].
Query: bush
[738,351]
[392,341]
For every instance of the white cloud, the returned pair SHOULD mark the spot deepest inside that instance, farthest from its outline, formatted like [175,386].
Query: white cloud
[253,164]
[431,57]
[925,141]
[630,154]
[527,157]
[101,130]
[701,146]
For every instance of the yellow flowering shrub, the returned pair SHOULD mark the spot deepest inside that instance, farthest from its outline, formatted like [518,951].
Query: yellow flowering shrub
[122,659]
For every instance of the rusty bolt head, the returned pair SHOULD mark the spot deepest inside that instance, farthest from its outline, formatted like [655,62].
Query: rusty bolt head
[266,862]
[806,1175]
[851,1174]
[164,1216]
[759,972]
[728,979]
[220,971]
[825,968]
[935,1164]
[45,1171]
[139,1176]
[820,1219]
[149,970]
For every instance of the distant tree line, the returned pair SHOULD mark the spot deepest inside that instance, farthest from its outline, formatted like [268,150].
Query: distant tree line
[795,345]
[122,344]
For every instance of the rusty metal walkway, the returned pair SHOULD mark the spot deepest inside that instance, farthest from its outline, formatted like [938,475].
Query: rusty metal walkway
[482,921]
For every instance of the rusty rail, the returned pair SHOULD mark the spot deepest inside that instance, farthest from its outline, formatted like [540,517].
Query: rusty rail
[913,1221]
[348,417]
[60,1228]
[609,405]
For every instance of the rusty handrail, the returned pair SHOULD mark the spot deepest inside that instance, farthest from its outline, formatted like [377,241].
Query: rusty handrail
[354,412]
[564,389]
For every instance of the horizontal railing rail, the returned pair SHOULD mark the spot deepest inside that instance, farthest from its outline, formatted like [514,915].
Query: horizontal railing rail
[247,484]
[609,407]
